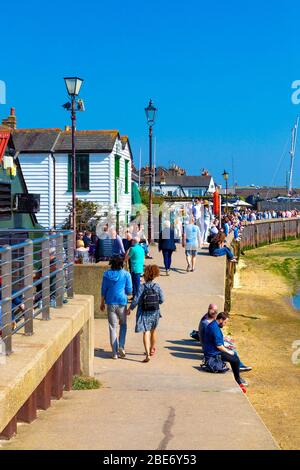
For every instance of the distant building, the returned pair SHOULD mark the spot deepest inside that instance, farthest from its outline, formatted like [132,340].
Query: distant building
[13,189]
[103,164]
[174,182]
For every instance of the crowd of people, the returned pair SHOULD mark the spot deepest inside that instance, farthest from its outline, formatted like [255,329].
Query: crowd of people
[194,226]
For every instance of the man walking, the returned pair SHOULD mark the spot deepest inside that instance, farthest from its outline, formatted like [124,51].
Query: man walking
[192,243]
[136,255]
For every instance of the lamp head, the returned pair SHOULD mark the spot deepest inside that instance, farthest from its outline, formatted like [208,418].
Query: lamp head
[225,175]
[73,85]
[150,113]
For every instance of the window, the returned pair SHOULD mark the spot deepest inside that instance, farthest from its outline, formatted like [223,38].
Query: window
[126,176]
[127,218]
[117,177]
[5,201]
[82,172]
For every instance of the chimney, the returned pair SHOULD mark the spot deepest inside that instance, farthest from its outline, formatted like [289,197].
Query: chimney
[162,177]
[11,121]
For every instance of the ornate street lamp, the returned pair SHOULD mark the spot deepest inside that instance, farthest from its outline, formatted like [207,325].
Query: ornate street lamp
[226,176]
[150,115]
[73,85]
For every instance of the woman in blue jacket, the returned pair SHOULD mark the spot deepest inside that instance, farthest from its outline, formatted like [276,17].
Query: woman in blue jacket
[116,286]
[167,245]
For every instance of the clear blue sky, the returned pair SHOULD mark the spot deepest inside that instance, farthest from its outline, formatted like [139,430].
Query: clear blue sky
[220,73]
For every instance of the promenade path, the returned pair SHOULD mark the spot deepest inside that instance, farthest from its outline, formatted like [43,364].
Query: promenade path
[168,403]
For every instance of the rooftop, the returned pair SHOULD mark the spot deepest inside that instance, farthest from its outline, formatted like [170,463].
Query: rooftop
[56,140]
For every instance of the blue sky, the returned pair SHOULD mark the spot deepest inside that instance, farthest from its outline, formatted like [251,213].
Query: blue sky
[219,72]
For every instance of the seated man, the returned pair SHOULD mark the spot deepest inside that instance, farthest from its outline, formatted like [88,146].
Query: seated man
[214,345]
[210,315]
[205,321]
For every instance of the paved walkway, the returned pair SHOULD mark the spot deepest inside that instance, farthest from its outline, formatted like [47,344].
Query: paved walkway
[166,404]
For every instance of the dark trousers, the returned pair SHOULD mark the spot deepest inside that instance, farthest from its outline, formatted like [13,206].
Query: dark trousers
[136,281]
[235,364]
[167,254]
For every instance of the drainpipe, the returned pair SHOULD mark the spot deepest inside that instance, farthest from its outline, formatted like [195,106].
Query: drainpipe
[52,150]
[54,189]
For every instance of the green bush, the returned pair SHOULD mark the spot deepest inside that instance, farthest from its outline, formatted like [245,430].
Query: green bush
[85,383]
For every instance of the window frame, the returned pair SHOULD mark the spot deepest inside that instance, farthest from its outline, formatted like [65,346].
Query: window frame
[79,189]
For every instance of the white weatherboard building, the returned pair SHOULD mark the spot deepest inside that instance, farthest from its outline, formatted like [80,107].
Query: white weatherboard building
[103,165]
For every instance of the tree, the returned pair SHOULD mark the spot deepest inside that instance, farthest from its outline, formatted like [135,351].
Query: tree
[86,215]
[145,198]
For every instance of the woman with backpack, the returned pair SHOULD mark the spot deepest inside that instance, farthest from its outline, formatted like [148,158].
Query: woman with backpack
[148,300]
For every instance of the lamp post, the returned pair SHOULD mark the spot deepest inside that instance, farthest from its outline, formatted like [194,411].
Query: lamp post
[226,176]
[150,114]
[73,85]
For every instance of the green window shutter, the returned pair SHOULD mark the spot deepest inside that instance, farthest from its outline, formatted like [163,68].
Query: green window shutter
[117,176]
[126,177]
[82,172]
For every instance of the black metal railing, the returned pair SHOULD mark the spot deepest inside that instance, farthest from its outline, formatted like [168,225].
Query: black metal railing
[36,269]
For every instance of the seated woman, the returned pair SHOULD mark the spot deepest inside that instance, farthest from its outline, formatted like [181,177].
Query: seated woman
[217,248]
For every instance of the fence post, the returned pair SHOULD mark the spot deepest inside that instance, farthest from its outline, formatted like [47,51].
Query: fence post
[270,232]
[70,261]
[28,280]
[256,235]
[284,230]
[6,269]
[298,228]
[46,281]
[59,278]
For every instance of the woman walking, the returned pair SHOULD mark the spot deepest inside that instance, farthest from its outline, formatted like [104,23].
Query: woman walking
[167,245]
[148,299]
[116,286]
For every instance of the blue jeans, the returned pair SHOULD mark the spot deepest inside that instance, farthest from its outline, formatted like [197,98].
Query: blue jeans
[136,281]
[167,254]
[225,251]
[241,364]
[117,315]
[145,248]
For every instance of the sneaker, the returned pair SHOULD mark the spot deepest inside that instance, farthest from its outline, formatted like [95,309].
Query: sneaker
[244,383]
[122,353]
[114,356]
[245,368]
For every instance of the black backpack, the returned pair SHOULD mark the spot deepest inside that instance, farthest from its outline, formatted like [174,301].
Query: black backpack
[150,301]
[215,365]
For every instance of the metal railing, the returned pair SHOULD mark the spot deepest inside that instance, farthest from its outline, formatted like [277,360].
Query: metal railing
[36,269]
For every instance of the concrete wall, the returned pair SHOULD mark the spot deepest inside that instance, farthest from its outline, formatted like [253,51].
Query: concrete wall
[34,356]
[87,280]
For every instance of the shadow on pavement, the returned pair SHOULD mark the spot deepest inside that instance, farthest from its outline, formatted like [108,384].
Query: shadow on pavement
[185,342]
[196,357]
[184,350]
